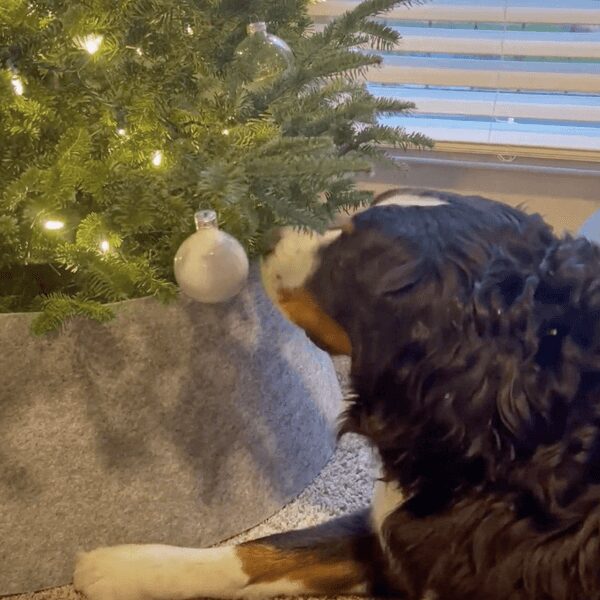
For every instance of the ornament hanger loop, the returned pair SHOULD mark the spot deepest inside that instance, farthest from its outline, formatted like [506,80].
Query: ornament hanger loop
[256,27]
[205,218]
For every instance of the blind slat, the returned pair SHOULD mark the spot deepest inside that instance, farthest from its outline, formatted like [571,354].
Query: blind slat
[495,104]
[515,43]
[584,12]
[509,75]
[496,43]
[448,130]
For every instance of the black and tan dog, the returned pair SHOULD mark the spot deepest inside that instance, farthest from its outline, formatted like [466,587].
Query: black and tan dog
[475,342]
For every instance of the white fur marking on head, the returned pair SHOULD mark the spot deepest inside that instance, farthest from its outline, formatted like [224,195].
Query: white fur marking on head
[294,259]
[411,200]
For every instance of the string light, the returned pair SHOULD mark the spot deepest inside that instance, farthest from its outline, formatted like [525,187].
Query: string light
[121,122]
[189,30]
[104,246]
[18,86]
[157,158]
[54,225]
[225,132]
[90,43]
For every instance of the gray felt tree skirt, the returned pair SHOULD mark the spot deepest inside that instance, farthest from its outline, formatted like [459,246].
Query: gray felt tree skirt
[183,424]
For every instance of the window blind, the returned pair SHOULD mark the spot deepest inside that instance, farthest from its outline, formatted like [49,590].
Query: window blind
[515,77]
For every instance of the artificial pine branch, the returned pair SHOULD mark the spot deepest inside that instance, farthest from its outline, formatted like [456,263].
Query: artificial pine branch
[77,143]
[58,307]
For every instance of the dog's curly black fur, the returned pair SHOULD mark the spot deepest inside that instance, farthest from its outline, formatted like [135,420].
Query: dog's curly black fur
[476,363]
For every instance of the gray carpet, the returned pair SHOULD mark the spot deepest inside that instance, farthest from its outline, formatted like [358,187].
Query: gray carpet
[343,486]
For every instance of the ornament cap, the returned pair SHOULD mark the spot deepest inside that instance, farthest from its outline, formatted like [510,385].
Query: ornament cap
[205,218]
[259,26]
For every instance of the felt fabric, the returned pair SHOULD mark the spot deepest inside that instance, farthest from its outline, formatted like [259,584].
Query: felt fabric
[183,424]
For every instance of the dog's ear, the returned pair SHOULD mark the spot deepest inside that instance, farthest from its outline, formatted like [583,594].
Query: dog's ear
[505,318]
[569,298]
[398,278]
[503,310]
[544,318]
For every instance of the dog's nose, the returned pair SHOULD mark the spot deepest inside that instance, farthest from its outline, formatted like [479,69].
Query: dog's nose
[272,239]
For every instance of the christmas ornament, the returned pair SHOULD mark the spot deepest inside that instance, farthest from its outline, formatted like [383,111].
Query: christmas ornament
[210,266]
[263,57]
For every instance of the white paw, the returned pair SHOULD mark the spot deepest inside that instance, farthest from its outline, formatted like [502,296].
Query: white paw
[131,572]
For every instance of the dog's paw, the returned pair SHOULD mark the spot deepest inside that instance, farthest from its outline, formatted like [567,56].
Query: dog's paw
[129,572]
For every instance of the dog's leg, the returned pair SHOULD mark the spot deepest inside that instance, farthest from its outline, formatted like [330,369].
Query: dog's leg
[341,556]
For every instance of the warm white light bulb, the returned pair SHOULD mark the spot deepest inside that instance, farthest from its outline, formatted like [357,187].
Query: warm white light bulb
[104,246]
[122,131]
[91,43]
[157,158]
[189,30]
[225,132]
[17,84]
[139,51]
[53,225]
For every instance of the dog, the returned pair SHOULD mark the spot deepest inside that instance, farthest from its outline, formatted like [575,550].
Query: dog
[474,338]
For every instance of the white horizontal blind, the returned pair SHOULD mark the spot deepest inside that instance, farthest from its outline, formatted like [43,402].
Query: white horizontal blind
[516,76]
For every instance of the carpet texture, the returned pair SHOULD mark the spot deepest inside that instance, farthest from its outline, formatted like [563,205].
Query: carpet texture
[344,485]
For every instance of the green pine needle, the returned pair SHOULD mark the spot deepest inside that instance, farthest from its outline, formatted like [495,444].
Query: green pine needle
[86,216]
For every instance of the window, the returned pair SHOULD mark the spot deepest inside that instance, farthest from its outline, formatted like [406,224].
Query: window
[509,77]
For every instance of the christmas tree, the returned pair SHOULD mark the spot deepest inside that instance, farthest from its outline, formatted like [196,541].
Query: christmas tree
[119,119]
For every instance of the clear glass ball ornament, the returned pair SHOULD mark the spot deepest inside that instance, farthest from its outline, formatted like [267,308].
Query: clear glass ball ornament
[262,57]
[210,266]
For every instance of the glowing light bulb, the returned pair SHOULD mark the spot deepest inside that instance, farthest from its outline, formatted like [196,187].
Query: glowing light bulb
[139,51]
[225,132]
[157,158]
[122,131]
[104,246]
[17,84]
[91,43]
[54,225]
[189,30]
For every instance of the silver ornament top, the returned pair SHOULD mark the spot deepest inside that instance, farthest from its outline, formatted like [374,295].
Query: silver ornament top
[256,27]
[205,218]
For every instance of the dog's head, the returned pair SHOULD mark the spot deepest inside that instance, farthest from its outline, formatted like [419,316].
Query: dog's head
[286,273]
[300,273]
[321,281]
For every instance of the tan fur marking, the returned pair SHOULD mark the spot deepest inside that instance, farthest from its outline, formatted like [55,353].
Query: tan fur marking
[302,308]
[266,564]
[347,227]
